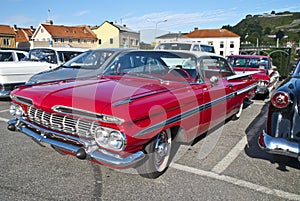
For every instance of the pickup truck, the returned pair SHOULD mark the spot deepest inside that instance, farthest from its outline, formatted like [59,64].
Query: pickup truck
[15,73]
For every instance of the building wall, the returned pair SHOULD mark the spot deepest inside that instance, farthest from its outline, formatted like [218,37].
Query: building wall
[7,41]
[129,40]
[108,36]
[41,34]
[223,46]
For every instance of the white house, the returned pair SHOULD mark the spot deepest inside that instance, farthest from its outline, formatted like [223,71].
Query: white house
[224,41]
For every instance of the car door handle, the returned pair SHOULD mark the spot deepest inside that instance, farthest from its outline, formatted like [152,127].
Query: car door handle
[229,86]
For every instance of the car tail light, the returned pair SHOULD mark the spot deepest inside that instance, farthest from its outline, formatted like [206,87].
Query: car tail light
[280,99]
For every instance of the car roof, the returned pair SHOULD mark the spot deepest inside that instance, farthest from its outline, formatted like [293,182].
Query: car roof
[249,56]
[194,53]
[61,49]
[14,51]
[183,42]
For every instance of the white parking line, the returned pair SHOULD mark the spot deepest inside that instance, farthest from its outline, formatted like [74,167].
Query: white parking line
[231,156]
[4,119]
[238,182]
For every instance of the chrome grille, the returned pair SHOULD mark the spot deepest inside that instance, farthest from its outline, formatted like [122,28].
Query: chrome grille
[62,123]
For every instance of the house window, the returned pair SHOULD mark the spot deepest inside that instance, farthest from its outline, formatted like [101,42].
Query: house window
[79,40]
[70,40]
[62,40]
[231,44]
[222,44]
[42,30]
[99,41]
[92,41]
[6,42]
[111,41]
[137,42]
[84,41]
[132,42]
[55,40]
[222,53]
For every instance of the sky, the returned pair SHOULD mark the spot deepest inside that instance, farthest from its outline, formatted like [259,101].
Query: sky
[139,15]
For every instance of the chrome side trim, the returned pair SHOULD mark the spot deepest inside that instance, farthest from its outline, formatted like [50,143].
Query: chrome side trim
[192,111]
[279,146]
[93,152]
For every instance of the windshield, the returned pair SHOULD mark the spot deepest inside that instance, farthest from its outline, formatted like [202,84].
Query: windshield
[156,65]
[91,59]
[46,55]
[262,63]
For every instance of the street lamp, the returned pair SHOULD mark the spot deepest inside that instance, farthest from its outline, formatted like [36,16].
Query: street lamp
[156,23]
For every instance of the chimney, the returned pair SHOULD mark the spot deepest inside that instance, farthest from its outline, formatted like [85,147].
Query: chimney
[15,27]
[196,28]
[124,25]
[49,22]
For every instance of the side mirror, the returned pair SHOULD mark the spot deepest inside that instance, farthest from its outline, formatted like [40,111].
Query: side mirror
[214,80]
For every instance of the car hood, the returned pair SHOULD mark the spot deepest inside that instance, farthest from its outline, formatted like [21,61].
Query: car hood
[61,73]
[93,95]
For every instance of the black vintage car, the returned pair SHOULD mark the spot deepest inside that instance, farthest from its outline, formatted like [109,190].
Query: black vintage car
[282,134]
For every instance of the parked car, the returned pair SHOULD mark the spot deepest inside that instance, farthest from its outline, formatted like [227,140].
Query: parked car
[282,134]
[13,74]
[136,112]
[267,74]
[187,46]
[89,63]
[11,55]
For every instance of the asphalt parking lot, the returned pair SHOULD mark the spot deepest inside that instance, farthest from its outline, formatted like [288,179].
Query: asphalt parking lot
[226,164]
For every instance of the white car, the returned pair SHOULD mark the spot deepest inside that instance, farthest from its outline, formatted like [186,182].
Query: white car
[13,74]
[187,46]
[12,55]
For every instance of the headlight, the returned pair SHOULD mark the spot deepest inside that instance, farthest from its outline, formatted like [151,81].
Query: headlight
[16,110]
[263,83]
[110,138]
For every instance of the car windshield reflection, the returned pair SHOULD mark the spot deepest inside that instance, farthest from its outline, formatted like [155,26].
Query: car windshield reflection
[89,59]
[155,65]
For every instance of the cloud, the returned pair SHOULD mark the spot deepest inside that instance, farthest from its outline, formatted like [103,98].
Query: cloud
[178,20]
[21,21]
[81,13]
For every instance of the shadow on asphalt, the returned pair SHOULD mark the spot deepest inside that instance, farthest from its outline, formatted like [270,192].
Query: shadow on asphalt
[5,99]
[253,150]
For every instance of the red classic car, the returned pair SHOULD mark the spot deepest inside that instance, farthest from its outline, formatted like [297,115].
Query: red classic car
[137,111]
[267,74]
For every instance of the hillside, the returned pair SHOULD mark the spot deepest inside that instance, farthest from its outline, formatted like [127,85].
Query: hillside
[263,27]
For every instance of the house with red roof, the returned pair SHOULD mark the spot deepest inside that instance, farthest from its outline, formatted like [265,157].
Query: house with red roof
[224,41]
[7,37]
[64,36]
[23,37]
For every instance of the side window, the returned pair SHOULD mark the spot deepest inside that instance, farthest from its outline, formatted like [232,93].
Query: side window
[196,48]
[20,56]
[215,66]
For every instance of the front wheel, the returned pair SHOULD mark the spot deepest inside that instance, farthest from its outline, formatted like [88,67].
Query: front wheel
[158,155]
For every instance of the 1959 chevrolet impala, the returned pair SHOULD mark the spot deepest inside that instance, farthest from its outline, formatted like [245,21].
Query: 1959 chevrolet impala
[137,111]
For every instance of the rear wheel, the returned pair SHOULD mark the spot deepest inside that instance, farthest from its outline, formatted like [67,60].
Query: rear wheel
[158,155]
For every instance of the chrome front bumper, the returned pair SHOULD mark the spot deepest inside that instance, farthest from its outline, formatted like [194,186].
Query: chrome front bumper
[4,94]
[88,151]
[279,146]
